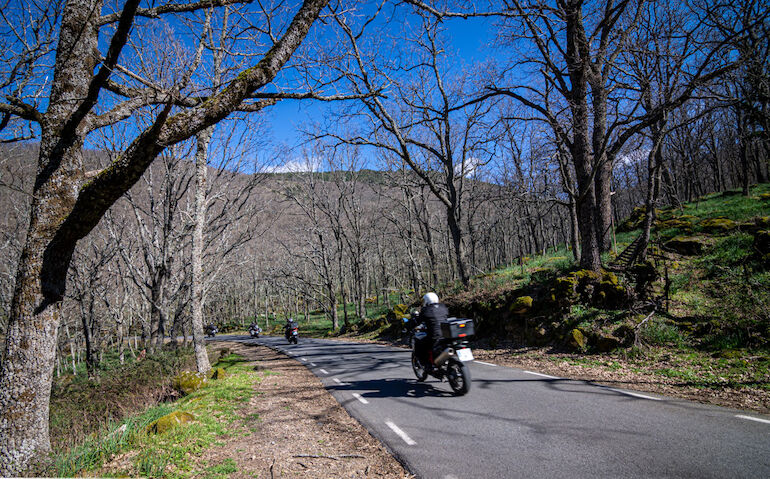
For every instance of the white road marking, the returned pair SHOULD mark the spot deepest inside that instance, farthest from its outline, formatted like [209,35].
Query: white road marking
[303,360]
[641,396]
[324,371]
[358,396]
[752,418]
[408,440]
[312,364]
[541,375]
[482,362]
[338,381]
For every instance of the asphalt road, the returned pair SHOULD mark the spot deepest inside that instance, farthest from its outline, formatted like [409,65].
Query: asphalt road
[516,423]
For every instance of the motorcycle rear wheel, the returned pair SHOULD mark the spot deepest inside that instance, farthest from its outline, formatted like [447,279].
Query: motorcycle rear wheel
[419,369]
[459,377]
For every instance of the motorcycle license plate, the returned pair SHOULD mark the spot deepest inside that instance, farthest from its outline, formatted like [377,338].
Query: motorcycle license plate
[464,354]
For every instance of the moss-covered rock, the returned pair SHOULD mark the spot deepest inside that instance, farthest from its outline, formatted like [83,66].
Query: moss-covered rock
[576,339]
[163,424]
[521,305]
[677,223]
[765,196]
[588,287]
[761,245]
[399,312]
[188,382]
[685,245]
[606,343]
[217,373]
[625,333]
[719,225]
[636,220]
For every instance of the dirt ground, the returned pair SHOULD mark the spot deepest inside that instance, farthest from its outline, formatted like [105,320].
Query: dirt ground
[299,429]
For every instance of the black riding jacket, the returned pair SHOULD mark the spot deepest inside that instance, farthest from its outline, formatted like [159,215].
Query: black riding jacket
[433,315]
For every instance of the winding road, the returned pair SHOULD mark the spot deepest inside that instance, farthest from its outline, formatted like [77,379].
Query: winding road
[516,423]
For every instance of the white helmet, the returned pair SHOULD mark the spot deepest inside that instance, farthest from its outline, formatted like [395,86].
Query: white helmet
[430,298]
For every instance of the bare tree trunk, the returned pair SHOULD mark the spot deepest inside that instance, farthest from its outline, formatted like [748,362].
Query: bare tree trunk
[201,164]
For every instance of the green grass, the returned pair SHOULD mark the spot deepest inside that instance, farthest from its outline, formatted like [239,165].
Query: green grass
[81,406]
[730,205]
[173,453]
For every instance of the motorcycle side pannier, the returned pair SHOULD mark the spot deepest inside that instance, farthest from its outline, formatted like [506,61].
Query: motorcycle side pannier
[454,328]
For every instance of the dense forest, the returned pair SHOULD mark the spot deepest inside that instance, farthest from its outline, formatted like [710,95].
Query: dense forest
[143,197]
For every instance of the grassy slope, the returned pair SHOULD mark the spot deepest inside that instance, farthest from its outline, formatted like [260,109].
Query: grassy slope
[132,452]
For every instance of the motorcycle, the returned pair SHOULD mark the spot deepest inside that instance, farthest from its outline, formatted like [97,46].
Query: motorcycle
[292,333]
[452,363]
[254,331]
[211,331]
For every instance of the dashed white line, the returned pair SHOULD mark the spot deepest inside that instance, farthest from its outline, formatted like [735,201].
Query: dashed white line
[324,371]
[408,440]
[312,364]
[752,418]
[541,375]
[482,362]
[303,360]
[337,381]
[358,396]
[627,393]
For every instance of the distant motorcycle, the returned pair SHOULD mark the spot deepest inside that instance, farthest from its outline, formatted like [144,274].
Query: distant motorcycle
[211,331]
[451,363]
[292,332]
[254,331]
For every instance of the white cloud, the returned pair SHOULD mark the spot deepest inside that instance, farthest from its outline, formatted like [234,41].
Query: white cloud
[297,166]
[470,167]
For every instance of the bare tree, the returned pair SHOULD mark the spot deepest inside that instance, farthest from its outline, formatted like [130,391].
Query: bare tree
[67,204]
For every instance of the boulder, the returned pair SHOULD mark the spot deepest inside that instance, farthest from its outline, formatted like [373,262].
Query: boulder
[762,241]
[626,334]
[217,373]
[521,305]
[685,245]
[576,339]
[677,223]
[636,220]
[163,424]
[399,312]
[606,343]
[188,382]
[719,225]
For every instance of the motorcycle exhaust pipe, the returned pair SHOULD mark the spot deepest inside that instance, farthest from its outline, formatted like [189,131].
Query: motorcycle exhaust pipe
[444,356]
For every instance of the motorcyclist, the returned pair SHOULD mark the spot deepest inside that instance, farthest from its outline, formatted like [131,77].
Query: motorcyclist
[255,327]
[290,324]
[432,314]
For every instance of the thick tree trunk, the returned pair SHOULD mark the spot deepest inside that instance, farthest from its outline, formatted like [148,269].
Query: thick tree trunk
[26,372]
[587,209]
[201,164]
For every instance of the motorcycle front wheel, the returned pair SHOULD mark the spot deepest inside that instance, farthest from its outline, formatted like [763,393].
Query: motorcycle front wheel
[419,369]
[459,377]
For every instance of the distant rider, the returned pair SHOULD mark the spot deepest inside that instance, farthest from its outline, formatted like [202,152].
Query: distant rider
[432,314]
[290,324]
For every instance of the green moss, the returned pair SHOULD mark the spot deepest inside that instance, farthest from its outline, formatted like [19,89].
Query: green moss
[217,373]
[189,382]
[719,225]
[577,339]
[521,305]
[685,245]
[163,424]
[765,196]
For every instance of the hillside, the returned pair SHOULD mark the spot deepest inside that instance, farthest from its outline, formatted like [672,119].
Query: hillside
[692,321]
